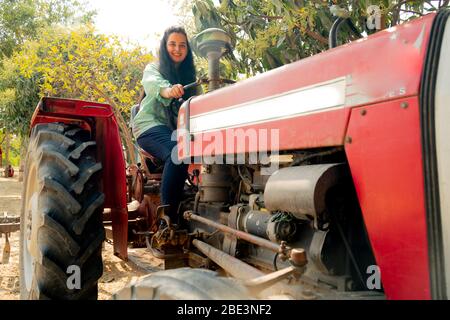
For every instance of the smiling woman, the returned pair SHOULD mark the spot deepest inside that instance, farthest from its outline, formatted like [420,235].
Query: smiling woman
[177,47]
[136,20]
[156,120]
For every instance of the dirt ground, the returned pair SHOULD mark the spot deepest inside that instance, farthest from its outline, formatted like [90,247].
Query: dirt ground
[116,272]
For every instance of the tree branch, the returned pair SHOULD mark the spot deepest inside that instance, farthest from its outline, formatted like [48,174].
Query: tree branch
[310,33]
[316,36]
[400,3]
[267,17]
[230,22]
[255,15]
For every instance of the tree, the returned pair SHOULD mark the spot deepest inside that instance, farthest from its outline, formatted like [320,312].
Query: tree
[73,63]
[270,33]
[21,20]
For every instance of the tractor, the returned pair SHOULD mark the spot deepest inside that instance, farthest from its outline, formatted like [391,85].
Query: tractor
[327,178]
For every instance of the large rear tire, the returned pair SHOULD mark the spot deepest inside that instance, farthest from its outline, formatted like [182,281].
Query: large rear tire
[61,221]
[183,284]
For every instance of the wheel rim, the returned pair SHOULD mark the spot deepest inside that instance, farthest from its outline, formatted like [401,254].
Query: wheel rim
[31,211]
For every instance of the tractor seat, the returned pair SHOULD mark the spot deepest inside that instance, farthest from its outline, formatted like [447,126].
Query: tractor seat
[134,111]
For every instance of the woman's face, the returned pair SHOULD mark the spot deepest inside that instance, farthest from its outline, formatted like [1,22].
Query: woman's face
[177,47]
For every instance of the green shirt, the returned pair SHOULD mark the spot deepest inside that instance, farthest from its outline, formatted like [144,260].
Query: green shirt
[151,112]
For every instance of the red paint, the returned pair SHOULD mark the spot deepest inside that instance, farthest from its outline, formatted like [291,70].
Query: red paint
[294,133]
[385,159]
[99,119]
[384,66]
[385,154]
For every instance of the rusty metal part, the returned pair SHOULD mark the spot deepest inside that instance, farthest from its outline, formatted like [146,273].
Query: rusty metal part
[188,215]
[168,241]
[9,224]
[298,257]
[6,250]
[232,265]
[148,209]
[9,227]
[141,217]
[302,190]
[168,236]
[137,183]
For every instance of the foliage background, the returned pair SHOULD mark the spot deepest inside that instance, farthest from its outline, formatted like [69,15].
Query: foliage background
[270,33]
[60,54]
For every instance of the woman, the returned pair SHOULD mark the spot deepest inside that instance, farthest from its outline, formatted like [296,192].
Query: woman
[163,82]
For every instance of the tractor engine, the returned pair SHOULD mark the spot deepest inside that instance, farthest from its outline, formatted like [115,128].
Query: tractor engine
[253,217]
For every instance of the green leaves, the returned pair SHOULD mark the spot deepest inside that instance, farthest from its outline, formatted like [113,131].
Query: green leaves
[271,33]
[22,23]
[71,63]
[21,20]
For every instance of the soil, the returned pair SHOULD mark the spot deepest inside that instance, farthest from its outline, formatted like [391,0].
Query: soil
[116,272]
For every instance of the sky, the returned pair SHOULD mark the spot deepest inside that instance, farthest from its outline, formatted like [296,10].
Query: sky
[141,21]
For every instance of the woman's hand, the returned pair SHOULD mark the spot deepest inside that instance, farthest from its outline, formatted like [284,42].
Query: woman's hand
[174,92]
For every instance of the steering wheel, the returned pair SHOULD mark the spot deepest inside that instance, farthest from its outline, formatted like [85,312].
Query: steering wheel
[175,104]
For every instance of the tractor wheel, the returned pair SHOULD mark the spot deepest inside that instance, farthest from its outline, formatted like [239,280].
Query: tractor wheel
[183,284]
[61,221]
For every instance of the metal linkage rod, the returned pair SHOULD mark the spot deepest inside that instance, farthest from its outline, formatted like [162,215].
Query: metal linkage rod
[232,265]
[188,215]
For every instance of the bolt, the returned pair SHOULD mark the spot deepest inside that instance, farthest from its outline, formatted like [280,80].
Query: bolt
[348,139]
[187,215]
[363,112]
[404,105]
[298,257]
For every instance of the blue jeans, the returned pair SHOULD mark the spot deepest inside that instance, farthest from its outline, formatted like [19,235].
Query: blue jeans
[157,141]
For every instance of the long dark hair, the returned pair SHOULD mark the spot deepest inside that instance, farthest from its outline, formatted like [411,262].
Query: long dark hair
[185,73]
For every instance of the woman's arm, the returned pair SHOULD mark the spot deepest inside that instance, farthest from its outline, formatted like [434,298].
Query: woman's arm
[174,92]
[155,85]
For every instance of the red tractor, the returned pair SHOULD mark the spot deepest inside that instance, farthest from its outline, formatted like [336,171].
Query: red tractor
[327,178]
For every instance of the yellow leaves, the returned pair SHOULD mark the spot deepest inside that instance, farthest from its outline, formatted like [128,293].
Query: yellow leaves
[78,63]
[7,97]
[54,50]
[47,89]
